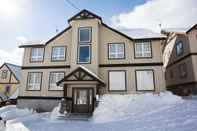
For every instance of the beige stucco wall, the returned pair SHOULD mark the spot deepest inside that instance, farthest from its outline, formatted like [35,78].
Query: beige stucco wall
[109,36]
[192,36]
[101,36]
[45,83]
[194,64]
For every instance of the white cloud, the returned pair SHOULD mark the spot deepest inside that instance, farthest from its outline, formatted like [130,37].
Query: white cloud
[12,56]
[170,13]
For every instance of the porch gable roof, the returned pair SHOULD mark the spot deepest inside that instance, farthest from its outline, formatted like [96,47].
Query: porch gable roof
[79,74]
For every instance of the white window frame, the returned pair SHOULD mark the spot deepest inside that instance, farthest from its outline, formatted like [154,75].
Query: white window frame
[57,56]
[111,79]
[143,53]
[37,57]
[53,86]
[90,35]
[139,82]
[34,85]
[117,54]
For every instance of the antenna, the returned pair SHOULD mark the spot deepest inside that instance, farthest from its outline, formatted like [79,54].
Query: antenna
[72,4]
[56,29]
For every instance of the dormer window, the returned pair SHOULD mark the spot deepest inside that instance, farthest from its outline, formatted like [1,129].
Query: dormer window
[37,54]
[58,53]
[179,48]
[85,34]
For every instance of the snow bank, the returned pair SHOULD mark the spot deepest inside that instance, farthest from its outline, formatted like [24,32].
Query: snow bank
[55,113]
[121,107]
[11,112]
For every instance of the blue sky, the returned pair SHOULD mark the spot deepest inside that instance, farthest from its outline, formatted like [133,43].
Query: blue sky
[27,20]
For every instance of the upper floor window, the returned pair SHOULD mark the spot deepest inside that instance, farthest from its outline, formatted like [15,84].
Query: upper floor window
[85,34]
[34,80]
[37,54]
[183,70]
[58,53]
[4,74]
[84,46]
[143,49]
[54,77]
[116,51]
[179,48]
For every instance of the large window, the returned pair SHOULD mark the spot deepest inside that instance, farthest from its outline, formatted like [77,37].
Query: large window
[145,80]
[4,74]
[179,48]
[143,49]
[54,77]
[85,35]
[116,51]
[117,80]
[34,80]
[84,46]
[37,54]
[58,53]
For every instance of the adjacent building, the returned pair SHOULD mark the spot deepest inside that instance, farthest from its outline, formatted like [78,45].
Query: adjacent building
[89,59]
[10,78]
[180,60]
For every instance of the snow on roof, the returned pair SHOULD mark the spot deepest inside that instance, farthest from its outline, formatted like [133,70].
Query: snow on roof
[92,73]
[176,30]
[15,69]
[140,33]
[34,42]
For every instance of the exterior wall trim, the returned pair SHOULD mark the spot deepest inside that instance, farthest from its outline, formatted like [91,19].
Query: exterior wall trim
[184,57]
[45,67]
[132,64]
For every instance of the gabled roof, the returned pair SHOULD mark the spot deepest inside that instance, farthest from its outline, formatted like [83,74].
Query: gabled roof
[14,69]
[84,14]
[86,71]
[194,26]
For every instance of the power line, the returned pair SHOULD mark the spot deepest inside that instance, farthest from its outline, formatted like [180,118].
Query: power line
[72,4]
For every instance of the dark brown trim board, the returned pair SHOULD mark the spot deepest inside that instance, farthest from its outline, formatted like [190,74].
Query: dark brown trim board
[65,47]
[40,97]
[117,43]
[28,78]
[138,41]
[131,64]
[50,78]
[182,58]
[181,84]
[45,67]
[109,80]
[136,79]
[194,26]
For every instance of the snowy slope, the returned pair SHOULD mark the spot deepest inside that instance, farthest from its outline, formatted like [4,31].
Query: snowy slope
[145,112]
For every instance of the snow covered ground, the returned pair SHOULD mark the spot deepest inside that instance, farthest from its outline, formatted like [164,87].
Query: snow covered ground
[144,112]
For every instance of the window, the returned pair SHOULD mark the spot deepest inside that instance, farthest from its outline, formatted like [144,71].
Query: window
[182,70]
[58,53]
[85,34]
[4,74]
[116,51]
[84,47]
[34,80]
[117,80]
[179,48]
[143,49]
[37,54]
[145,80]
[54,77]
